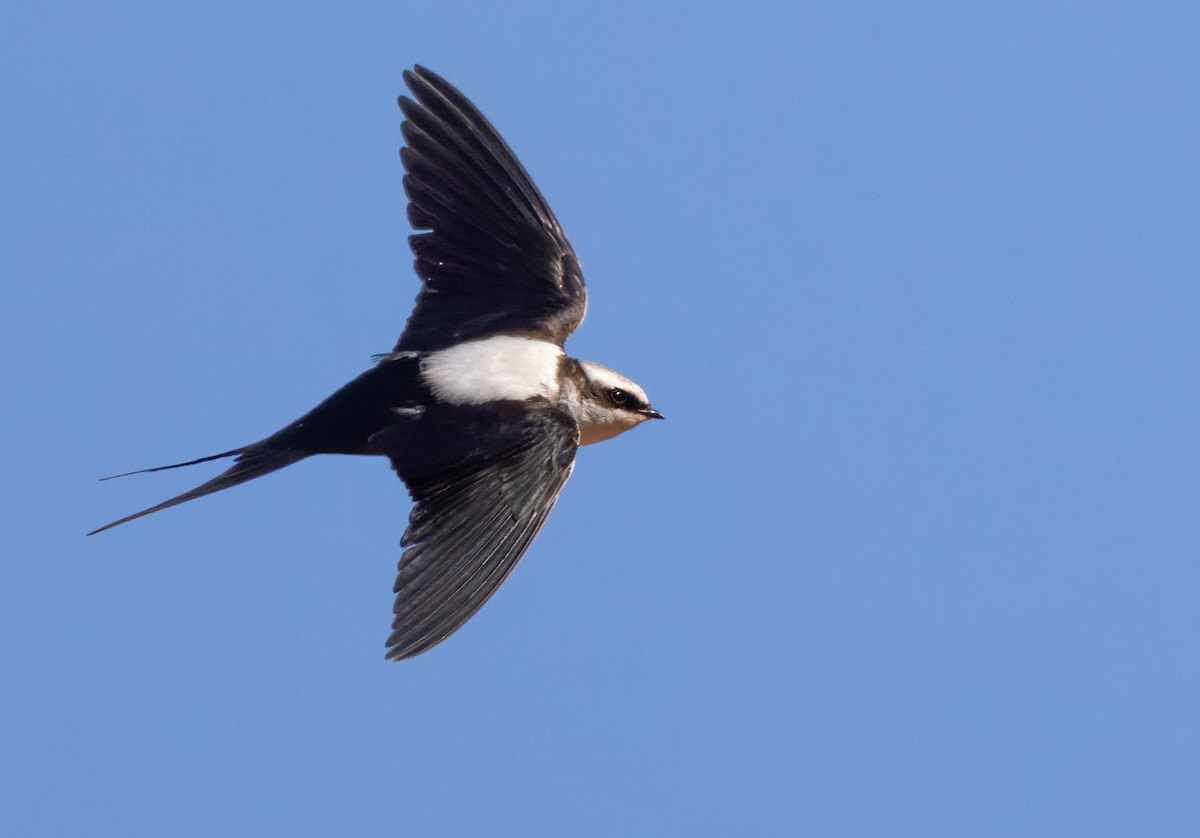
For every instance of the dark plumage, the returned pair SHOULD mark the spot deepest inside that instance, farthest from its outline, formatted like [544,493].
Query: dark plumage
[477,408]
[495,260]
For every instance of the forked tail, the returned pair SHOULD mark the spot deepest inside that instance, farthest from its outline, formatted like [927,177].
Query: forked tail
[252,461]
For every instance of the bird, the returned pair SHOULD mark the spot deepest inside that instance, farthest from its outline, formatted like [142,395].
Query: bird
[478,407]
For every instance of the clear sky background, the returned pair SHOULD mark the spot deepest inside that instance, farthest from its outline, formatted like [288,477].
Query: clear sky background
[916,552]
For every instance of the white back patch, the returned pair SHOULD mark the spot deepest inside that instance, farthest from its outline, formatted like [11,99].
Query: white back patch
[493,369]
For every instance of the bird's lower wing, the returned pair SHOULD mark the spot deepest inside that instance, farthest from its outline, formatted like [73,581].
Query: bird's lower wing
[472,522]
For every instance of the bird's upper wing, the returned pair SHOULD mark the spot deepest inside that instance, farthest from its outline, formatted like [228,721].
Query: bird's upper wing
[495,259]
[479,502]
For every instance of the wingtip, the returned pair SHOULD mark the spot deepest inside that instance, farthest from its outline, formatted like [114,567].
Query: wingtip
[398,646]
[422,72]
[408,648]
[424,83]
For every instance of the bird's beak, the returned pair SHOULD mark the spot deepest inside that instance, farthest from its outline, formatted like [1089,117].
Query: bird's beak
[650,413]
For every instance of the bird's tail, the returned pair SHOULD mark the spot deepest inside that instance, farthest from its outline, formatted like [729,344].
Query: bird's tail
[252,461]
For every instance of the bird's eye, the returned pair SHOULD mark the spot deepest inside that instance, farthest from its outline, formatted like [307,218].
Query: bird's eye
[618,395]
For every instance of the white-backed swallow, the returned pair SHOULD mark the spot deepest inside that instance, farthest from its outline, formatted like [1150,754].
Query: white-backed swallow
[478,408]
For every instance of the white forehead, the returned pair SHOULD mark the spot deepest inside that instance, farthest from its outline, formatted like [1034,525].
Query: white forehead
[606,379]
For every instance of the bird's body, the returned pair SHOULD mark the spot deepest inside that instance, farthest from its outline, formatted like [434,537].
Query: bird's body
[478,408]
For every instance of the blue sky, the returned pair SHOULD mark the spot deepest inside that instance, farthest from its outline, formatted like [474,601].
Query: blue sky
[917,551]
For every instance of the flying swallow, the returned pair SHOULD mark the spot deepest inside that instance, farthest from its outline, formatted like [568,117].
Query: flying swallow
[478,407]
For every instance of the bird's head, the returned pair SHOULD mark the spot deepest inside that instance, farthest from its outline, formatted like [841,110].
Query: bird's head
[609,404]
